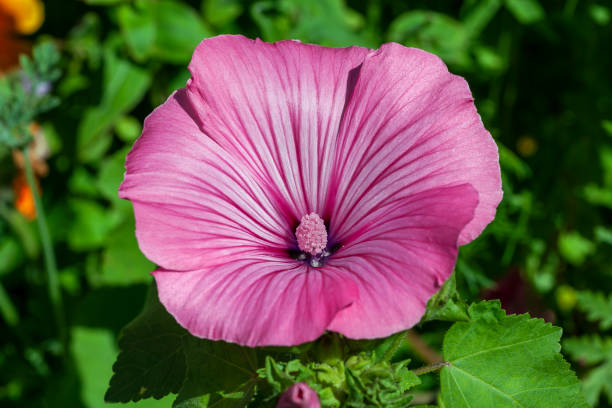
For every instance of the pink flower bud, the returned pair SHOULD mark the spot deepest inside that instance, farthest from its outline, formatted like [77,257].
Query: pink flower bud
[299,395]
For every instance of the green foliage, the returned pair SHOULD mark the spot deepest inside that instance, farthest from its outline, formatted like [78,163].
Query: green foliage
[124,86]
[361,381]
[152,361]
[506,361]
[597,306]
[593,350]
[167,30]
[539,74]
[446,304]
[574,247]
[159,357]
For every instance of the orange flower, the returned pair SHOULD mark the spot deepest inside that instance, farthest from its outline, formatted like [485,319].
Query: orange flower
[27,15]
[17,17]
[24,200]
[38,152]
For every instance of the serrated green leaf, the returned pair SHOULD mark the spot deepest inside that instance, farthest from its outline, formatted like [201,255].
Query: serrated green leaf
[151,362]
[590,349]
[597,307]
[506,361]
[219,374]
[93,350]
[597,381]
[159,357]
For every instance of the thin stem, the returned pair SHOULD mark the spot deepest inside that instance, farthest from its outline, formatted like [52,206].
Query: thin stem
[432,367]
[50,265]
[422,349]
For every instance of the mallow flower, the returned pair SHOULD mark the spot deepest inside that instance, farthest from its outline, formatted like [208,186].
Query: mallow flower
[291,189]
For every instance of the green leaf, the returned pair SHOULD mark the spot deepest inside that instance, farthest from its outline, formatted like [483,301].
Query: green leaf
[93,350]
[129,128]
[446,304]
[221,12]
[91,223]
[167,30]
[381,384]
[124,86]
[10,253]
[600,14]
[325,22]
[151,362]
[607,126]
[434,32]
[574,247]
[597,307]
[526,11]
[122,261]
[506,361]
[110,176]
[590,349]
[159,357]
[593,350]
[219,374]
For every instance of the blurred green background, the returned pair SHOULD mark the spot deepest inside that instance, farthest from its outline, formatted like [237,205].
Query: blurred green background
[541,75]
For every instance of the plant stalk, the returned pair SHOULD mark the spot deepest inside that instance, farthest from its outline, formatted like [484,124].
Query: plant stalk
[432,367]
[50,265]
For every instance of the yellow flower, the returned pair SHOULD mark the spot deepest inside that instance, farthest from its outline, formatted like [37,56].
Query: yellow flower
[28,15]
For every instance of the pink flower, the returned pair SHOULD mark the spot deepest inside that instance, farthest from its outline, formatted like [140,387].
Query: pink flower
[377,158]
[299,395]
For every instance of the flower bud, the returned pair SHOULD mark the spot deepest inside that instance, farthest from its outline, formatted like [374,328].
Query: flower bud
[299,395]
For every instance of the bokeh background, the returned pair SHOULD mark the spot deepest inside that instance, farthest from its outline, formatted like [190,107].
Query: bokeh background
[541,75]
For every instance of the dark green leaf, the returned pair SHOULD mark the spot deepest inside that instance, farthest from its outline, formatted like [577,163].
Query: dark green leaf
[151,362]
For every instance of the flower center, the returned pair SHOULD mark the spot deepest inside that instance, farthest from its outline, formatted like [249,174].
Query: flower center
[311,234]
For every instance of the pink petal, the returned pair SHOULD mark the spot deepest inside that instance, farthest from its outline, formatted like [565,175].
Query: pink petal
[400,261]
[257,300]
[194,204]
[277,108]
[299,395]
[410,126]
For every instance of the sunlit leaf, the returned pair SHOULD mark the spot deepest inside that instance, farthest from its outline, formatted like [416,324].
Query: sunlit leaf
[506,361]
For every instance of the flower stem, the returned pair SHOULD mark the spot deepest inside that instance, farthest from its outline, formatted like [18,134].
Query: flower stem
[50,265]
[432,367]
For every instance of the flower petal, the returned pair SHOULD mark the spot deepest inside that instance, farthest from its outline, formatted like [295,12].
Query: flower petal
[410,126]
[277,108]
[401,261]
[194,204]
[256,301]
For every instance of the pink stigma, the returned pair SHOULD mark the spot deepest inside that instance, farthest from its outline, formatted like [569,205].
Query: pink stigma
[311,234]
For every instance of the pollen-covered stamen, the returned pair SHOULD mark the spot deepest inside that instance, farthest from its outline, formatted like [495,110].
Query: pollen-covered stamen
[311,234]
